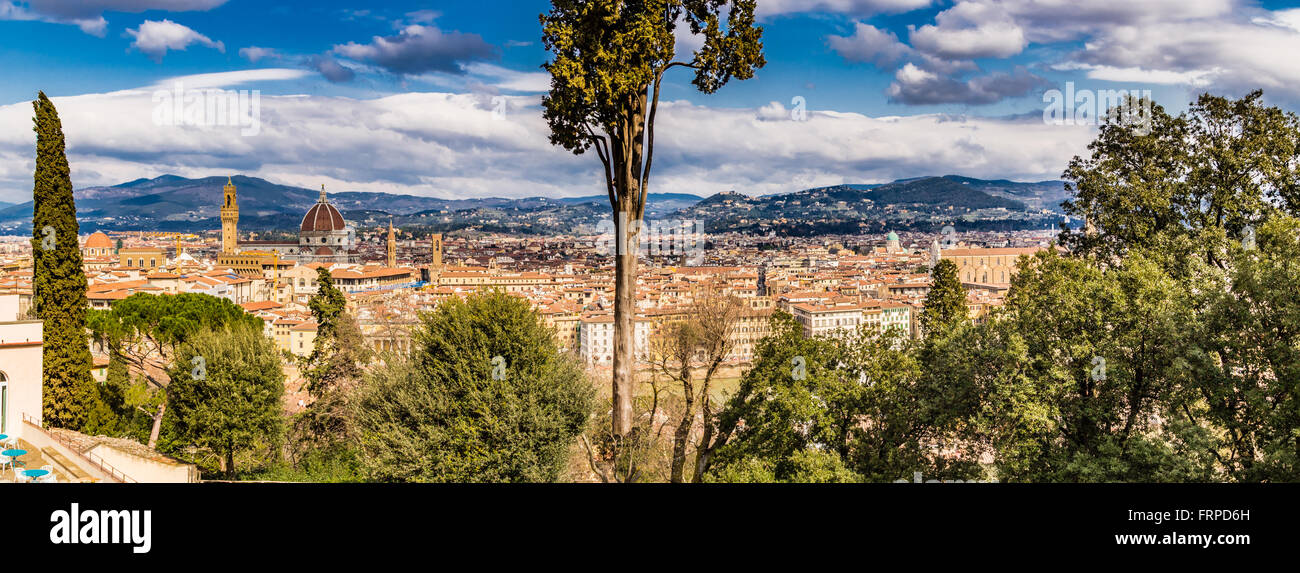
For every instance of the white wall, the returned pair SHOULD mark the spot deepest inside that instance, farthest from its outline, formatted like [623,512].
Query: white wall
[20,360]
[145,470]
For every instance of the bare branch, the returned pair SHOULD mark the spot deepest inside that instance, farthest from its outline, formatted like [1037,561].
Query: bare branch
[591,460]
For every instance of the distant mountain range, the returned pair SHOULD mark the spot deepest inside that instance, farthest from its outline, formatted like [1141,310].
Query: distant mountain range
[921,204]
[172,203]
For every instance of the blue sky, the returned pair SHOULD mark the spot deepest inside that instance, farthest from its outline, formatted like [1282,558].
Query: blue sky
[397,96]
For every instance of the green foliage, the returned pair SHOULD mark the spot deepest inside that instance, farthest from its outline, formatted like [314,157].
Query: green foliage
[58,282]
[327,464]
[1222,166]
[333,371]
[327,304]
[225,394]
[804,466]
[861,401]
[142,332]
[166,320]
[1076,373]
[453,412]
[608,54]
[945,304]
[1195,231]
[124,405]
[1248,365]
[339,350]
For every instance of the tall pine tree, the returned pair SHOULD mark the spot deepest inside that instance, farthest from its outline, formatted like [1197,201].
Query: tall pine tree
[945,305]
[58,282]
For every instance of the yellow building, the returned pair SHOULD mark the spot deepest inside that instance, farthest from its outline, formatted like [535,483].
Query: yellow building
[147,258]
[984,266]
[248,263]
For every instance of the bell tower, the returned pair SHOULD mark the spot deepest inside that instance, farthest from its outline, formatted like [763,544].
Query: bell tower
[229,220]
[392,246]
[436,247]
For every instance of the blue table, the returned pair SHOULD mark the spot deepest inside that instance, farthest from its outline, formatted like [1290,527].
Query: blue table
[13,455]
[33,474]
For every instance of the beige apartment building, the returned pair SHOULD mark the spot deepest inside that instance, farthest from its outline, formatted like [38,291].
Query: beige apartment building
[985,266]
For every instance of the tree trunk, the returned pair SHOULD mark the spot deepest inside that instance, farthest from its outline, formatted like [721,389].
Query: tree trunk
[706,433]
[157,425]
[625,171]
[230,461]
[683,433]
[624,325]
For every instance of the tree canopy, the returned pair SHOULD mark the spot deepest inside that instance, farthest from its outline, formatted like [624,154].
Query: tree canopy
[850,408]
[143,332]
[225,394]
[1208,174]
[485,396]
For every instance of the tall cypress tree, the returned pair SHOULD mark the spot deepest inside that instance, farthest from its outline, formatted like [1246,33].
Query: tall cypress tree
[945,305]
[58,282]
[329,309]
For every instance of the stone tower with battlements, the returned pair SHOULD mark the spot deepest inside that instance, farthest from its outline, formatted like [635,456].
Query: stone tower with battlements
[229,220]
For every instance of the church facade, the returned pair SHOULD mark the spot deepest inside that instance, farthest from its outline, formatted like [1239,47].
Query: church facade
[324,236]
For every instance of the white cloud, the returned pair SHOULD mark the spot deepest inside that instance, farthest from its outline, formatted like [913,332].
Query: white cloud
[770,8]
[1062,20]
[1212,45]
[155,38]
[916,86]
[1222,55]
[971,30]
[89,14]
[1284,18]
[1137,75]
[254,53]
[869,44]
[420,49]
[233,79]
[450,145]
[511,80]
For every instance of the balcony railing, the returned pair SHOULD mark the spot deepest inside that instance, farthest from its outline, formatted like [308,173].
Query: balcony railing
[88,457]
